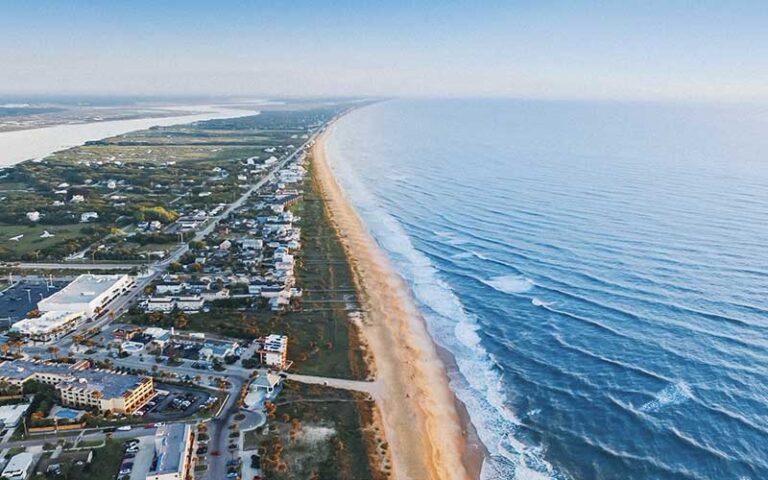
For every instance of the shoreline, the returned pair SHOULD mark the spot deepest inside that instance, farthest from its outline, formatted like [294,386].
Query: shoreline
[425,424]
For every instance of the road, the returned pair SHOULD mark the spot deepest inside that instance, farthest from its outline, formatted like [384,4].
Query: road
[72,266]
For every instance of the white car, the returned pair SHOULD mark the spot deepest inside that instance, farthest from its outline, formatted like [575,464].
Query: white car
[124,428]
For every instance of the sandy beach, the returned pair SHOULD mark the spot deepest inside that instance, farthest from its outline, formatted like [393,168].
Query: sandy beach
[419,413]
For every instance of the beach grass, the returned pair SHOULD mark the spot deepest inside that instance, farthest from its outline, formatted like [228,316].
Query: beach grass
[321,431]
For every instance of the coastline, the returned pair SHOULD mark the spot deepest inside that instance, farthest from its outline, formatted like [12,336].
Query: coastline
[425,425]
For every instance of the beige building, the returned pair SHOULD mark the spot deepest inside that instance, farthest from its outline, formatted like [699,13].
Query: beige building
[106,392]
[79,387]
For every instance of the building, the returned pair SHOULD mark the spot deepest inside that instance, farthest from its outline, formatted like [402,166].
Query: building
[79,387]
[160,304]
[173,458]
[274,351]
[106,391]
[49,326]
[88,216]
[87,293]
[169,288]
[268,382]
[17,372]
[10,415]
[190,304]
[19,466]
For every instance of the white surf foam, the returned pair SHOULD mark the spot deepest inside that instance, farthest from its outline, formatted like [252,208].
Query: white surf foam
[478,383]
[512,284]
[537,302]
[673,394]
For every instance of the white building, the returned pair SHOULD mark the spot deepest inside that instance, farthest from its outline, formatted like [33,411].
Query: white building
[87,293]
[49,326]
[10,415]
[33,216]
[88,216]
[190,304]
[19,466]
[160,304]
[166,288]
[173,458]
[274,351]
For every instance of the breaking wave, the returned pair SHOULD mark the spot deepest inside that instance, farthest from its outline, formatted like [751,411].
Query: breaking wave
[673,394]
[512,284]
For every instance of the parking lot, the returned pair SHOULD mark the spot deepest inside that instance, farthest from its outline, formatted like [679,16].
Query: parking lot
[22,298]
[178,402]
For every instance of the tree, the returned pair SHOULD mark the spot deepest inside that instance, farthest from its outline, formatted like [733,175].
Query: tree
[53,350]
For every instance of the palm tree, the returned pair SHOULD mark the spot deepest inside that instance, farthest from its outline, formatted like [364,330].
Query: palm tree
[53,350]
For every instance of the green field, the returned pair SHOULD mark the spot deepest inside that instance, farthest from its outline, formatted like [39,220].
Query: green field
[31,242]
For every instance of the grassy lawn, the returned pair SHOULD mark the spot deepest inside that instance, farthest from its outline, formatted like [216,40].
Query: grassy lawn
[320,431]
[104,466]
[106,462]
[32,241]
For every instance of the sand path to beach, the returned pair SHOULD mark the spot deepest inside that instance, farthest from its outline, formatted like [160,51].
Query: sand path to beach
[420,418]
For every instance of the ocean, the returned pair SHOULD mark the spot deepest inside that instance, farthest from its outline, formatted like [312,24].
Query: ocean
[599,271]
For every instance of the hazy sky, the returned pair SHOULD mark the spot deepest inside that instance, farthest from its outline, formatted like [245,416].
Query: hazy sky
[648,49]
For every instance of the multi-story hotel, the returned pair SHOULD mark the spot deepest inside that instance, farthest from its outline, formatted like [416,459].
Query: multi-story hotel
[78,387]
[106,392]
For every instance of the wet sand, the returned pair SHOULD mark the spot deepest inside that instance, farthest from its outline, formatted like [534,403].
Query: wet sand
[421,419]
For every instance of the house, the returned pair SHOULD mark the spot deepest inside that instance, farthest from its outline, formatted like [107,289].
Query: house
[191,304]
[33,216]
[251,243]
[169,288]
[160,304]
[88,216]
[77,199]
[19,466]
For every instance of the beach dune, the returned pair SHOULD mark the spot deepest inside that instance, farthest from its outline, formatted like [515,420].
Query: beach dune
[418,410]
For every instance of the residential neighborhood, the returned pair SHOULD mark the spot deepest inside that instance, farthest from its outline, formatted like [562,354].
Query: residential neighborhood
[165,338]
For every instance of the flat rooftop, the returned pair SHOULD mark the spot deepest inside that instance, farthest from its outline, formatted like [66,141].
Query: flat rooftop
[46,322]
[21,369]
[85,288]
[170,444]
[110,384]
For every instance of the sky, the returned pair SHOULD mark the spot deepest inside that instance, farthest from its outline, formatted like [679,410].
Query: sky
[657,50]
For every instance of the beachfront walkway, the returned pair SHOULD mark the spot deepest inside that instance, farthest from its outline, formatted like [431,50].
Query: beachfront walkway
[371,388]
